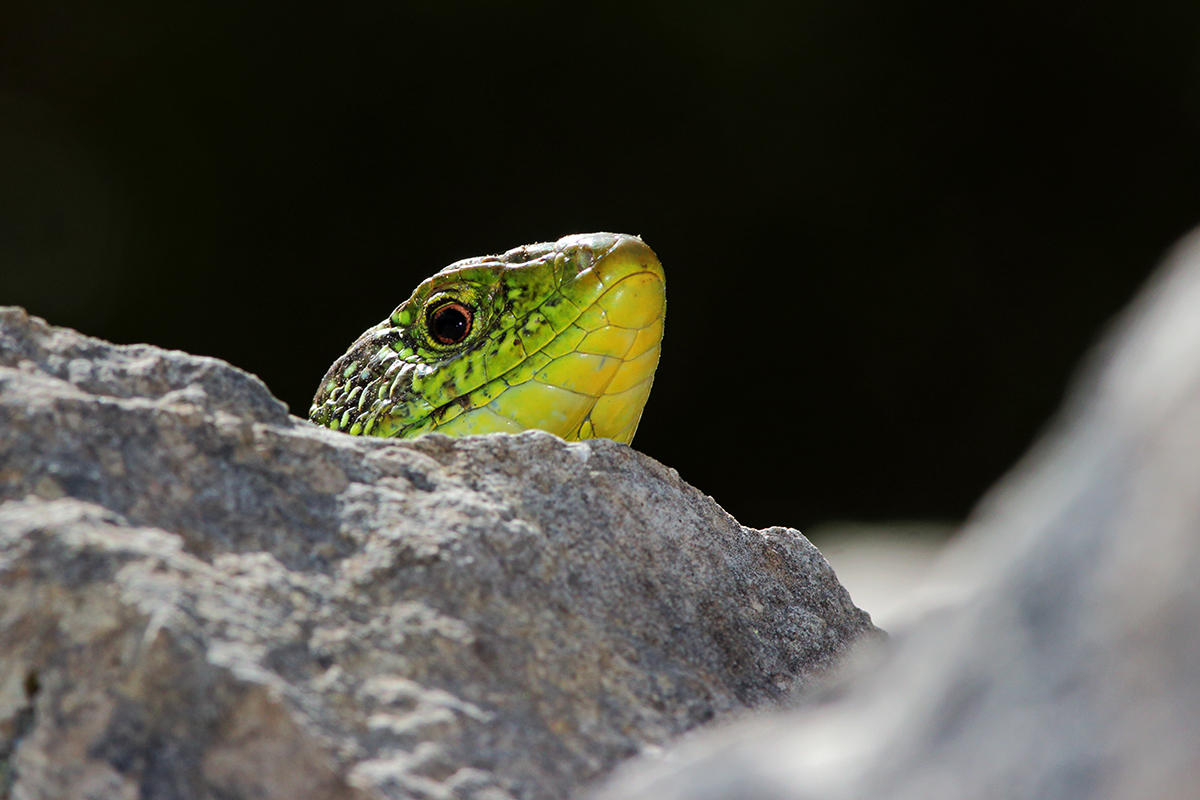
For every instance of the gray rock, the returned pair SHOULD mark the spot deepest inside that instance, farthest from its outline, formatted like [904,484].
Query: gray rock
[201,596]
[1074,669]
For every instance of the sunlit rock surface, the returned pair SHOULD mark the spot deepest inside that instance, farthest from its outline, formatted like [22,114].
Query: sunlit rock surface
[202,597]
[1073,669]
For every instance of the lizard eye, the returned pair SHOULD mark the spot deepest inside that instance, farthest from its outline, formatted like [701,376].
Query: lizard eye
[449,323]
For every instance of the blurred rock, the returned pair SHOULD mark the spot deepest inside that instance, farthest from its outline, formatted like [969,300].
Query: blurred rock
[201,596]
[1073,670]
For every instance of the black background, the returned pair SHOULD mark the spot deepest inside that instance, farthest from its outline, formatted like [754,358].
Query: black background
[890,229]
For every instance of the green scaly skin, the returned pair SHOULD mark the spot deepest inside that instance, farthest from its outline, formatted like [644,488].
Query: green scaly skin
[564,336]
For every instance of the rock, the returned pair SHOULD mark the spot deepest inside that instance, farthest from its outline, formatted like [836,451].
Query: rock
[1074,669]
[202,596]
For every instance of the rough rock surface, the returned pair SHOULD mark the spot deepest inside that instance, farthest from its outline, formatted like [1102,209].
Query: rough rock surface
[201,596]
[1074,670]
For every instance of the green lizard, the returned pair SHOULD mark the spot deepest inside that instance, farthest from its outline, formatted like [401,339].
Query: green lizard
[560,336]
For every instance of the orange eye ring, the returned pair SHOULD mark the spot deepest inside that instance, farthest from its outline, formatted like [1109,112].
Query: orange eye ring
[449,323]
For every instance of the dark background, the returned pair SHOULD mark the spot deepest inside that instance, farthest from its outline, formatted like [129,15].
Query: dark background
[890,229]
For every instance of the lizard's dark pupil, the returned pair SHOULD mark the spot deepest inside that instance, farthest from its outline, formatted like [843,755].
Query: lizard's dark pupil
[450,323]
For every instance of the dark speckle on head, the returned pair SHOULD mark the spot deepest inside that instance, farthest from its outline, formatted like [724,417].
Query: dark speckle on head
[342,389]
